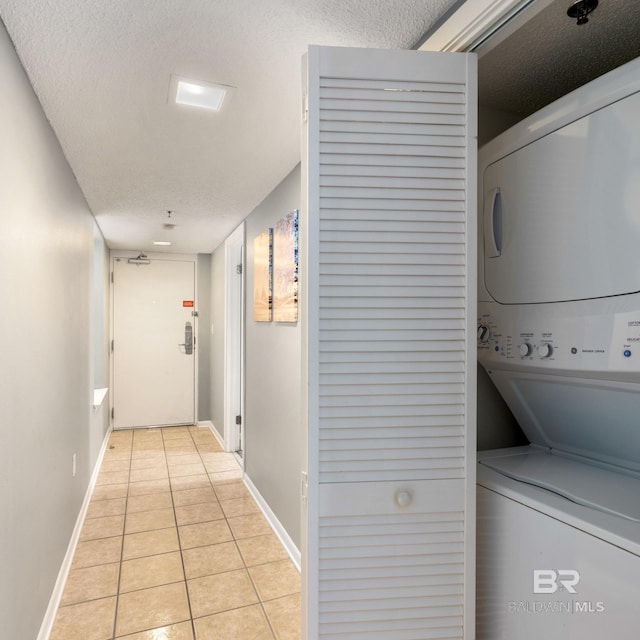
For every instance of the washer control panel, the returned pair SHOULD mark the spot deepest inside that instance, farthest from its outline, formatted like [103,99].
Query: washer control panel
[600,342]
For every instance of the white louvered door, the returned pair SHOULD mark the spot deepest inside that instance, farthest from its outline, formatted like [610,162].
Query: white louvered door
[388,310]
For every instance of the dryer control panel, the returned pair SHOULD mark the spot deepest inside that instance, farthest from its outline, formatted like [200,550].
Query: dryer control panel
[559,336]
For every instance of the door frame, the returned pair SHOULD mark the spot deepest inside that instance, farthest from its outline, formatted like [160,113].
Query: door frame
[234,305]
[178,257]
[479,25]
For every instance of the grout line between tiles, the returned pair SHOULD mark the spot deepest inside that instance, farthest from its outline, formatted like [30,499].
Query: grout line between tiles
[124,525]
[184,571]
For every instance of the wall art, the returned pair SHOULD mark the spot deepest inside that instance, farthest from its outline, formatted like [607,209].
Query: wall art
[263,277]
[285,269]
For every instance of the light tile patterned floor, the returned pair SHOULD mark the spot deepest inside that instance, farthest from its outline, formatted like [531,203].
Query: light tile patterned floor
[174,548]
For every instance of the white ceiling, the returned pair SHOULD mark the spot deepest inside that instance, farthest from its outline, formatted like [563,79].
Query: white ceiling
[102,68]
[551,55]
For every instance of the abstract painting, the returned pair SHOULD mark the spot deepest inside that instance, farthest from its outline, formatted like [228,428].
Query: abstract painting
[285,269]
[263,277]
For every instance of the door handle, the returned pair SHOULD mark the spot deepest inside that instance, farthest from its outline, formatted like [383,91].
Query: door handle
[493,224]
[188,339]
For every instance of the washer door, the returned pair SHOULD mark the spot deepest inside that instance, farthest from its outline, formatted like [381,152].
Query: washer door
[595,419]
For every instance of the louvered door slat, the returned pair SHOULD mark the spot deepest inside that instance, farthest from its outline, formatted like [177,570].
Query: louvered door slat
[393,117]
[391,126]
[426,92]
[345,171]
[389,259]
[374,160]
[385,105]
[452,150]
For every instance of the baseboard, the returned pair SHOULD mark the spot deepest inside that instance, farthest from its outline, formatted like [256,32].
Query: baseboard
[212,427]
[56,596]
[278,529]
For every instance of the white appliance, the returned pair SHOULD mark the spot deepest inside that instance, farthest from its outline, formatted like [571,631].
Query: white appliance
[559,335]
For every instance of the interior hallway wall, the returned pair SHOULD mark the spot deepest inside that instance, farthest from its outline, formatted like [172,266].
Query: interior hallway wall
[46,255]
[272,374]
[203,338]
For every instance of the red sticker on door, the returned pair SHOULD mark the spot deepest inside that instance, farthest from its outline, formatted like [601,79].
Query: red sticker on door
[187,303]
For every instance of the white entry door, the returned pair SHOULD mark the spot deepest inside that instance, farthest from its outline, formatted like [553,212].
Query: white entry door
[153,343]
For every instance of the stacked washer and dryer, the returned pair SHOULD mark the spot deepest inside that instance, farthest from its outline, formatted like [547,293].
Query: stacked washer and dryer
[559,335]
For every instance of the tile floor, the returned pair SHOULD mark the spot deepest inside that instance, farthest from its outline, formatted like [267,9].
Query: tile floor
[174,548]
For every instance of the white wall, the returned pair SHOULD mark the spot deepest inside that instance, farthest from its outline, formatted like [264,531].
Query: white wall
[272,375]
[203,339]
[46,254]
[273,393]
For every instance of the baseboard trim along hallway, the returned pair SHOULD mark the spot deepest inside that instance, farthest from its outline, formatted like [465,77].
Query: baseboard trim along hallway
[278,529]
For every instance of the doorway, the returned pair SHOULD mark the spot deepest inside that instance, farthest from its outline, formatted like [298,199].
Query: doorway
[153,352]
[234,344]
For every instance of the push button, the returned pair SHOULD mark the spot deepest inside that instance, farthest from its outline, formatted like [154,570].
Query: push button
[627,353]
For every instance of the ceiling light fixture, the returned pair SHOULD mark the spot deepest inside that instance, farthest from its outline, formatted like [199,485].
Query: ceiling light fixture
[169,226]
[162,243]
[194,93]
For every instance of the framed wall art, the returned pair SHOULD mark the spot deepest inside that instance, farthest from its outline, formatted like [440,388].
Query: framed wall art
[285,268]
[263,277]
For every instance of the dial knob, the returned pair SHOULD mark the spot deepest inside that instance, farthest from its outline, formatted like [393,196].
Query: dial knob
[404,497]
[483,333]
[525,349]
[545,350]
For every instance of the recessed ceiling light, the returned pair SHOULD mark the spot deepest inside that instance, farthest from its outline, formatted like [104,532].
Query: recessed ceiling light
[204,95]
[162,243]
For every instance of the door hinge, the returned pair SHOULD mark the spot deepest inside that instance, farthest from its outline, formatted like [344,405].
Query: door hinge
[239,269]
[112,346]
[238,419]
[112,276]
[112,413]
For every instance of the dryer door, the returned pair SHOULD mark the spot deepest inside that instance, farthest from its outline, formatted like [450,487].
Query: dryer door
[561,216]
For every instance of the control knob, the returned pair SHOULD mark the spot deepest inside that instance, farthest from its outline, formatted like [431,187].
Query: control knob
[525,349]
[483,333]
[545,350]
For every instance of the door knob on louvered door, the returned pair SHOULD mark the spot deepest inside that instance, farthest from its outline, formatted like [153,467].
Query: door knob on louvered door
[404,497]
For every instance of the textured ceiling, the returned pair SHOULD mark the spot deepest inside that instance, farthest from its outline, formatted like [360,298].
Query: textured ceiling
[551,55]
[102,70]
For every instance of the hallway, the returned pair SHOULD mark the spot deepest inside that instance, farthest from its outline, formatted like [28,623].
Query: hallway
[174,548]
